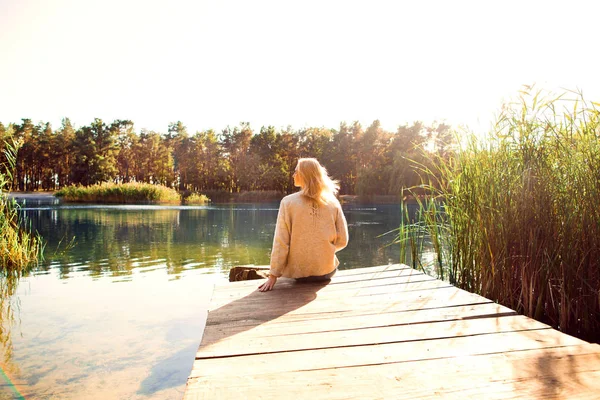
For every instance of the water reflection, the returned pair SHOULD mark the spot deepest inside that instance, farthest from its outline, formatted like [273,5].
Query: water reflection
[122,313]
[9,308]
[169,372]
[115,241]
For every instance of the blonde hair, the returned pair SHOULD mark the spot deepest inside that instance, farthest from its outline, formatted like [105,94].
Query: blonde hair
[316,183]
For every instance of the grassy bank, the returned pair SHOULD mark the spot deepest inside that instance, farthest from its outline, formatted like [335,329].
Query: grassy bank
[126,193]
[520,222]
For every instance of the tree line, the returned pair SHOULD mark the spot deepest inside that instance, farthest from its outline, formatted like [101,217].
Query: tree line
[365,161]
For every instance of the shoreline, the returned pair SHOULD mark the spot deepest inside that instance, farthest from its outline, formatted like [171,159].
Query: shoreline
[345,199]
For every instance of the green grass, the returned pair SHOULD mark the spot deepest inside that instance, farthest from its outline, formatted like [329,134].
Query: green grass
[19,248]
[515,217]
[126,193]
[196,198]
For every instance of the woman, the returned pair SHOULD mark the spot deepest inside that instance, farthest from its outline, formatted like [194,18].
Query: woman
[310,229]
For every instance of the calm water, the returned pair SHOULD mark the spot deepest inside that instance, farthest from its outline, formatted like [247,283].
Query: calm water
[120,316]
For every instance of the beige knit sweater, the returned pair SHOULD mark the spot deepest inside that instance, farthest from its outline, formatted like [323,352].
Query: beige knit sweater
[307,236]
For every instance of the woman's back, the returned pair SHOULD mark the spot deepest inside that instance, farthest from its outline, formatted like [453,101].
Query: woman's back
[311,227]
[307,236]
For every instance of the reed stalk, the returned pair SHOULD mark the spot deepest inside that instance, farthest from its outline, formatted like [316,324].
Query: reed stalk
[20,249]
[514,216]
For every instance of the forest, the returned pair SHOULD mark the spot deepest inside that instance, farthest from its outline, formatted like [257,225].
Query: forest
[369,161]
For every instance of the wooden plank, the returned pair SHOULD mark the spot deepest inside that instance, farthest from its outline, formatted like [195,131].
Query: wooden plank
[375,354]
[354,281]
[394,285]
[349,274]
[268,306]
[339,322]
[292,290]
[571,372]
[245,342]
[343,276]
[374,269]
[382,332]
[296,290]
[245,287]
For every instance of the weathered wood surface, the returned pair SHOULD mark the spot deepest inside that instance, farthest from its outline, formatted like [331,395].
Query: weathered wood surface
[382,332]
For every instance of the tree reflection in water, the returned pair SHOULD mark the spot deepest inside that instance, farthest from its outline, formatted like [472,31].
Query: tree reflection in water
[70,302]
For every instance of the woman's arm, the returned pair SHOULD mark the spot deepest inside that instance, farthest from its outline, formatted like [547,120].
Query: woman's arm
[341,227]
[281,248]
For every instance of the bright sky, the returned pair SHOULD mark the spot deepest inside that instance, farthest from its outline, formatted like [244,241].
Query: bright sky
[302,63]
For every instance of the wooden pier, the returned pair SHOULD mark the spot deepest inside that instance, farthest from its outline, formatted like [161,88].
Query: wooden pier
[385,332]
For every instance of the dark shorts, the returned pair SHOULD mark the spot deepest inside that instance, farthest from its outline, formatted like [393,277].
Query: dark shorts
[320,278]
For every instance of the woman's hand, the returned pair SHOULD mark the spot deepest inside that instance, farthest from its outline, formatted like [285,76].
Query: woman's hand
[268,285]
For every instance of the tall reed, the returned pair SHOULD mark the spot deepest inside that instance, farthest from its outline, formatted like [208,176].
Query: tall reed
[20,249]
[517,217]
[422,236]
[18,246]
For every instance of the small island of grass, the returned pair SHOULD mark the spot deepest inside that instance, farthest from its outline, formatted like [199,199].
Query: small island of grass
[196,198]
[126,193]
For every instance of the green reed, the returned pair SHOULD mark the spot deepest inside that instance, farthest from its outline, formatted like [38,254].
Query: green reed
[124,193]
[18,246]
[420,231]
[514,216]
[20,249]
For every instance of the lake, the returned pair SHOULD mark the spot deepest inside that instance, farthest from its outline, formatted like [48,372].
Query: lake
[120,315]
